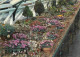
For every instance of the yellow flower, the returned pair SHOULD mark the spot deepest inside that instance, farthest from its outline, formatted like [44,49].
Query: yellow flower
[3,24]
[59,15]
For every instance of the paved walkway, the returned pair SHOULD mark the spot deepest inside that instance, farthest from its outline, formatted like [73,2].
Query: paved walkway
[75,48]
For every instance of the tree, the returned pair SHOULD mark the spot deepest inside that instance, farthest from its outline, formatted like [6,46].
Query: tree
[27,12]
[39,7]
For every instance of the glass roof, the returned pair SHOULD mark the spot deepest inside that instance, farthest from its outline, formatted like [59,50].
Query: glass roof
[5,6]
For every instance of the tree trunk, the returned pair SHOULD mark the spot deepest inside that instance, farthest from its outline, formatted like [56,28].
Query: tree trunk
[39,14]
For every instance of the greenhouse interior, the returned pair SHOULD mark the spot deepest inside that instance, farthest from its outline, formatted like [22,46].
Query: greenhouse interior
[39,28]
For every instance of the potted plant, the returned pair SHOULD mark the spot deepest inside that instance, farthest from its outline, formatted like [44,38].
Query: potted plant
[46,45]
[6,31]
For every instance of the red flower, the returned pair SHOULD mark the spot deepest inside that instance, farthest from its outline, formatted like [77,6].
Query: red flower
[26,20]
[35,23]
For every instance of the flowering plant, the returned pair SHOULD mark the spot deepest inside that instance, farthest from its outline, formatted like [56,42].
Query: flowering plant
[51,35]
[59,17]
[6,30]
[63,11]
[54,22]
[38,28]
[19,36]
[17,44]
[60,26]
[71,8]
[46,44]
[27,22]
[36,22]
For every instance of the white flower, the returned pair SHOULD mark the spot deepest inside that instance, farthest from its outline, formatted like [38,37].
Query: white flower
[8,36]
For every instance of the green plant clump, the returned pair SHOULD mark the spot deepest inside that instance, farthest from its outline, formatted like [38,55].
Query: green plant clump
[54,10]
[27,12]
[62,2]
[39,7]
[6,29]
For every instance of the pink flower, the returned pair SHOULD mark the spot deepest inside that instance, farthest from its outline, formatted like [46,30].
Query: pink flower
[13,46]
[14,36]
[19,35]
[11,42]
[5,44]
[24,45]
[51,44]
[48,33]
[47,44]
[9,45]
[56,35]
[38,27]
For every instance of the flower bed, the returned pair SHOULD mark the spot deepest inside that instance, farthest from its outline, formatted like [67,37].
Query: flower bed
[38,33]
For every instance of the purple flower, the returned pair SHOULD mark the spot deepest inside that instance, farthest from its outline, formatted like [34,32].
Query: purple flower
[19,35]
[38,28]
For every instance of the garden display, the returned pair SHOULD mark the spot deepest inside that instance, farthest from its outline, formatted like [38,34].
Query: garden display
[38,36]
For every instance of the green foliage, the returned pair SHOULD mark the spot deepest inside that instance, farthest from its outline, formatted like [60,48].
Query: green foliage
[54,3]
[66,2]
[62,2]
[39,7]
[27,23]
[27,12]
[33,18]
[71,3]
[54,10]
[6,29]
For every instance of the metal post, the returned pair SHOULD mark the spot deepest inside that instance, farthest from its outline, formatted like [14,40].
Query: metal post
[16,6]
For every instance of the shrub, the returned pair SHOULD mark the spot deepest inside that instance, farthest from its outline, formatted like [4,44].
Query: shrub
[27,12]
[39,7]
